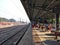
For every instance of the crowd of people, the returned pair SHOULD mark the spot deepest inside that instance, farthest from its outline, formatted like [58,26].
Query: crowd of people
[46,26]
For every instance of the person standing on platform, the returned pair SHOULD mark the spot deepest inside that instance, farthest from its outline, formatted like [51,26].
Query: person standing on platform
[46,25]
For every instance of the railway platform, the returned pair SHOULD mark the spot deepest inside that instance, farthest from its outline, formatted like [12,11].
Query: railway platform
[44,38]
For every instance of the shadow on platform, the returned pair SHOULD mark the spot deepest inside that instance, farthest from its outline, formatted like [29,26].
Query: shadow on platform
[50,42]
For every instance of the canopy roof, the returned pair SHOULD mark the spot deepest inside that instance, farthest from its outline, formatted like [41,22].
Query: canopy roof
[41,8]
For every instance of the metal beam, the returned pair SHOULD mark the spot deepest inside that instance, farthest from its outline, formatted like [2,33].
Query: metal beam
[51,3]
[32,7]
[37,13]
[47,6]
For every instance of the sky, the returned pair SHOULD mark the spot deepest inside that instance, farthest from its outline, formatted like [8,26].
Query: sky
[13,9]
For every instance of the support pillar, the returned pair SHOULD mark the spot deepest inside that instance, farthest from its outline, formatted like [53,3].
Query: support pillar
[57,22]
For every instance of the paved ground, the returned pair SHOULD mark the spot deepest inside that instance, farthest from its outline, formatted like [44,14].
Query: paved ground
[43,38]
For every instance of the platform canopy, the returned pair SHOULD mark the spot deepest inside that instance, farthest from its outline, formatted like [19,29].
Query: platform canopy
[41,8]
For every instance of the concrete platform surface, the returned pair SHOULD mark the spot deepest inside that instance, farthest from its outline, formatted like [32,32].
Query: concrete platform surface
[43,38]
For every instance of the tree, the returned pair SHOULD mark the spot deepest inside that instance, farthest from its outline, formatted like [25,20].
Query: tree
[3,19]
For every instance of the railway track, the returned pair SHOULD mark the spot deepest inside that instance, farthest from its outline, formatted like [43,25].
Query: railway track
[3,30]
[12,35]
